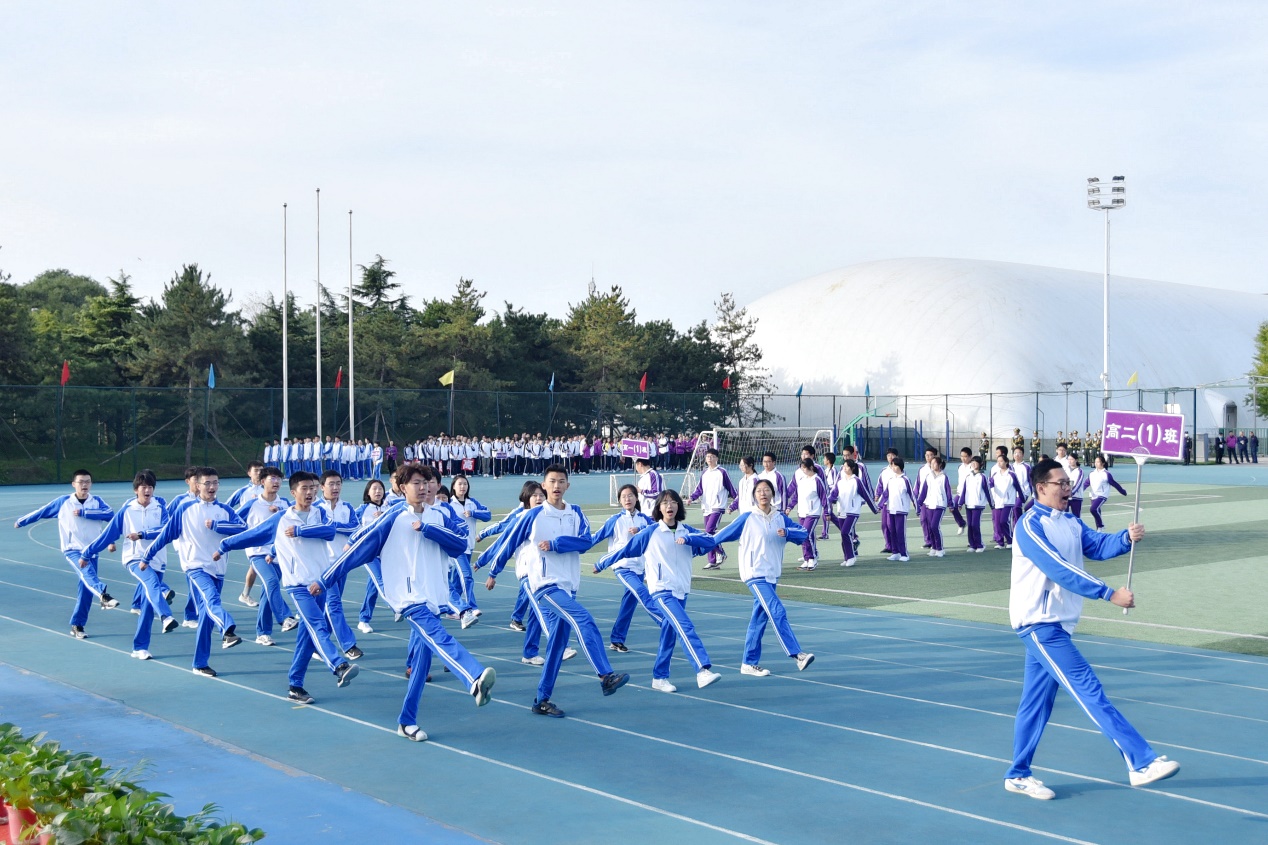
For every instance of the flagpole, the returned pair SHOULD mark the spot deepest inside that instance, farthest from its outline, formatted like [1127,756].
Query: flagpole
[352,435]
[452,379]
[207,413]
[317,309]
[61,396]
[286,306]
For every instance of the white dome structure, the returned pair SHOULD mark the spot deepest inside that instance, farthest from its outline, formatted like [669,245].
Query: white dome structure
[938,327]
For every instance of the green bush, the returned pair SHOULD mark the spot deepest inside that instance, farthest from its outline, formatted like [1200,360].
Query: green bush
[80,801]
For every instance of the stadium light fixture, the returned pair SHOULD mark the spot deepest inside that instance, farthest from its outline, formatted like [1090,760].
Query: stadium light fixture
[1098,201]
[1066,385]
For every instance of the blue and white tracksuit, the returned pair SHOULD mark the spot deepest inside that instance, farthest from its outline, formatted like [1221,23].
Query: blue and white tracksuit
[761,562]
[527,610]
[1049,584]
[414,563]
[273,607]
[195,544]
[521,598]
[78,524]
[191,607]
[553,580]
[668,572]
[629,570]
[345,520]
[366,514]
[301,560]
[461,586]
[147,522]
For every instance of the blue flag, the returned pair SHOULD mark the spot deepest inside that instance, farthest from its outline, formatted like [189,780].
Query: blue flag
[211,376]
[799,387]
[551,387]
[867,389]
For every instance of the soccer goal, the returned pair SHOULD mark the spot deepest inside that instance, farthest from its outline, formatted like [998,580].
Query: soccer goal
[735,443]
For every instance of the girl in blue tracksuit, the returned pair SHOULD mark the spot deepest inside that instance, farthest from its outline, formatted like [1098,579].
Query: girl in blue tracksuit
[667,547]
[374,505]
[618,530]
[461,585]
[521,600]
[762,533]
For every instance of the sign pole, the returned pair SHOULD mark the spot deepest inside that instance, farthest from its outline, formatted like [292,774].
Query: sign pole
[1131,555]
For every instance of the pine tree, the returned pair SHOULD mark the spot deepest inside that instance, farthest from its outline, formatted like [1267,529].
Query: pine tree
[741,360]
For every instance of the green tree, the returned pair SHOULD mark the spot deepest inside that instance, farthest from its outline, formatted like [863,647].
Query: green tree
[739,358]
[604,341]
[179,338]
[16,336]
[376,288]
[101,335]
[1258,397]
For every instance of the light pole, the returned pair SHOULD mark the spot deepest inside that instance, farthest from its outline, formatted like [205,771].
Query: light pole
[1066,385]
[1097,201]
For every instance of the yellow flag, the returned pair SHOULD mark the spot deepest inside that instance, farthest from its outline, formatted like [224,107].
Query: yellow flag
[447,378]
[1130,381]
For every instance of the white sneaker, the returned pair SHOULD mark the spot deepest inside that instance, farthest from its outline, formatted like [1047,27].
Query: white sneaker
[248,601]
[803,660]
[264,639]
[468,619]
[570,653]
[903,558]
[959,530]
[940,553]
[136,611]
[535,660]
[1160,769]
[663,685]
[811,564]
[290,623]
[142,654]
[705,677]
[411,732]
[364,627]
[849,562]
[1030,786]
[477,611]
[893,557]
[189,623]
[754,670]
[979,551]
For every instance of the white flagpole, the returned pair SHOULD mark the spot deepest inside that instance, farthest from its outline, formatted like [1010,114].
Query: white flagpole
[317,308]
[286,371]
[352,420]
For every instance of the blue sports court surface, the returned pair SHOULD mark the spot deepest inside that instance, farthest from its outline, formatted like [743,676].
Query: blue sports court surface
[900,731]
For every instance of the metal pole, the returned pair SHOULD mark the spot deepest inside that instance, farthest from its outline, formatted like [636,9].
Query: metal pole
[1131,555]
[352,417]
[286,307]
[317,309]
[1105,367]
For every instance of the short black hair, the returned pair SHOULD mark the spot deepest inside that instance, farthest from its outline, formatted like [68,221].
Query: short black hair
[898,461]
[1042,470]
[770,455]
[966,451]
[298,478]
[713,452]
[144,478]
[559,468]
[531,487]
[809,448]
[190,472]
[668,494]
[271,472]
[330,473]
[207,472]
[80,472]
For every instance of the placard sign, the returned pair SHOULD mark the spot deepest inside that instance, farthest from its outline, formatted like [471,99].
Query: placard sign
[636,448]
[1143,435]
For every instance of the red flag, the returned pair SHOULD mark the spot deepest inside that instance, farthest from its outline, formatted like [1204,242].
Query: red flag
[726,383]
[65,372]
[339,379]
[642,383]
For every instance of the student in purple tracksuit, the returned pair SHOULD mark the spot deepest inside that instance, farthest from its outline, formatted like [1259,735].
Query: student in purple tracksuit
[921,477]
[1100,481]
[850,453]
[934,496]
[966,458]
[808,495]
[881,479]
[649,484]
[716,489]
[1021,469]
[848,495]
[1005,494]
[830,472]
[80,516]
[896,501]
[974,495]
[1078,483]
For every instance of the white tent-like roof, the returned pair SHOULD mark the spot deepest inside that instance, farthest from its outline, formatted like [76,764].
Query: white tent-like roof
[935,326]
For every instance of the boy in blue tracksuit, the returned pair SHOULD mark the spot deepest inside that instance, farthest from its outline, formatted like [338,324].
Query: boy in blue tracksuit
[297,538]
[1049,585]
[192,526]
[344,517]
[138,523]
[254,511]
[560,532]
[80,518]
[414,542]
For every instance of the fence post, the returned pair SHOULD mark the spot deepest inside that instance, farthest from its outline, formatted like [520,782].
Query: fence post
[134,455]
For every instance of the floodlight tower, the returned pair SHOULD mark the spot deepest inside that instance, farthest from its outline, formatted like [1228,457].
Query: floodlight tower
[1098,201]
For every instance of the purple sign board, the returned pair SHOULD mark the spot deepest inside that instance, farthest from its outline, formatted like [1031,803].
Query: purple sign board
[636,448]
[1138,434]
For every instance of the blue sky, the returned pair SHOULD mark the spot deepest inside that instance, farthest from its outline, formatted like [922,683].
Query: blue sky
[677,149]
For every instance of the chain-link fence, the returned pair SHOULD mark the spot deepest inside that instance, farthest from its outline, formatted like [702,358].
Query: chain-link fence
[48,431]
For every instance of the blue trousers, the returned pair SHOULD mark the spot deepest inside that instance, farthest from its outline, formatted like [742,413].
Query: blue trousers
[272,605]
[535,621]
[767,606]
[461,584]
[1052,661]
[373,576]
[521,602]
[563,613]
[339,628]
[211,614]
[426,630]
[138,595]
[150,583]
[90,587]
[191,606]
[676,624]
[635,594]
[312,635]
